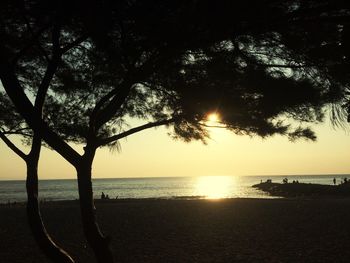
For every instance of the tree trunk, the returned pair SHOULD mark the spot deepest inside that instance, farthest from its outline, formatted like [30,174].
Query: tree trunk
[43,239]
[98,242]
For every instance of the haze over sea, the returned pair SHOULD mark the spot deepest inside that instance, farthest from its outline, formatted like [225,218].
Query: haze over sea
[210,187]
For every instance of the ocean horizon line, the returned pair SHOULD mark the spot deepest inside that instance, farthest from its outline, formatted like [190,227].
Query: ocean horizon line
[189,176]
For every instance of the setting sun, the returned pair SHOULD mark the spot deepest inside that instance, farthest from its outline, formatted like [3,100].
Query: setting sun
[213,117]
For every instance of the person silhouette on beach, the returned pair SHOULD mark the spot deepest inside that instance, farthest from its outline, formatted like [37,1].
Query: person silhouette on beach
[334,181]
[103,196]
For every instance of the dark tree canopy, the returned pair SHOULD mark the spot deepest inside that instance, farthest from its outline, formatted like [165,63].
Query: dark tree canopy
[259,64]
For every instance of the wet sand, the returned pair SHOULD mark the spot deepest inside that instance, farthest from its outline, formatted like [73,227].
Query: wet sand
[235,230]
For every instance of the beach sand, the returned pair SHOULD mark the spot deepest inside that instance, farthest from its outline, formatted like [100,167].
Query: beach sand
[234,230]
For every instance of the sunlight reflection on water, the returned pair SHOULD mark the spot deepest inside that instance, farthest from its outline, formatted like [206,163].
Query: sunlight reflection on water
[215,187]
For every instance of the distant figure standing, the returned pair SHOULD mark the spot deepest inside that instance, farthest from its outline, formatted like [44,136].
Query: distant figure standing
[334,181]
[103,196]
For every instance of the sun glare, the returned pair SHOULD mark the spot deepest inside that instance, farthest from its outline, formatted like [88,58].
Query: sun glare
[213,117]
[214,187]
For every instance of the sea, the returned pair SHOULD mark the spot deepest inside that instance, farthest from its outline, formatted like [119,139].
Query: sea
[201,187]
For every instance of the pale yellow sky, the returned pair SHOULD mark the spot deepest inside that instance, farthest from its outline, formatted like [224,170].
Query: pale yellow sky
[152,153]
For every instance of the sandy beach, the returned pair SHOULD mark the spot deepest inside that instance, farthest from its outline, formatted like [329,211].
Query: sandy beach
[232,230]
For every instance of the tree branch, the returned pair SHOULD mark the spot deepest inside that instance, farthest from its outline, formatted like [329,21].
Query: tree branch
[257,63]
[50,71]
[12,146]
[118,95]
[44,85]
[17,132]
[56,31]
[114,105]
[25,108]
[213,126]
[100,103]
[74,43]
[105,141]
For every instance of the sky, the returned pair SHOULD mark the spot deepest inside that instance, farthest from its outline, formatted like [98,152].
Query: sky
[152,153]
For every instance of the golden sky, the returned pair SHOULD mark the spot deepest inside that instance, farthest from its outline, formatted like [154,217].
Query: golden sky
[153,153]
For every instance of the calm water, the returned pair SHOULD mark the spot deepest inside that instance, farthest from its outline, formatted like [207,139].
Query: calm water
[165,187]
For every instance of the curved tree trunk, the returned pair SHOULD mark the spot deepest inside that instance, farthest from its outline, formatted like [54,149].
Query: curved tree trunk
[43,239]
[98,242]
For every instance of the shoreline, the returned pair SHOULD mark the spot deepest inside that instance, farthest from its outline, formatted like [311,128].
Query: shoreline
[120,200]
[180,198]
